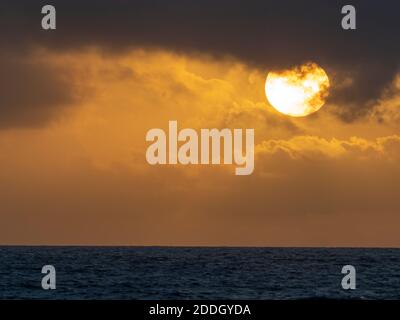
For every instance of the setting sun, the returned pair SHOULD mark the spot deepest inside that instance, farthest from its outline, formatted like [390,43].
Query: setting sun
[297,92]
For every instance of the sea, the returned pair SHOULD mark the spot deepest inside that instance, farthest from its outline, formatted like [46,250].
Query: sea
[171,273]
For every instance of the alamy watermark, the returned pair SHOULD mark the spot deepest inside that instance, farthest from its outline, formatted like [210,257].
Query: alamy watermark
[187,146]
[349,280]
[49,280]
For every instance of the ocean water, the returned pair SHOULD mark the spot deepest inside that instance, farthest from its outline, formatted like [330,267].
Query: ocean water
[198,273]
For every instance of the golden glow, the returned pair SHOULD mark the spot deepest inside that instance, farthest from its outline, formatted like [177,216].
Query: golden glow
[297,92]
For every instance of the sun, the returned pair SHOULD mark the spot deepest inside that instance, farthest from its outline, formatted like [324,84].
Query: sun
[299,91]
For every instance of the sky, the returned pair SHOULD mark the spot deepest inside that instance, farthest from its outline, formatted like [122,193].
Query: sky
[76,103]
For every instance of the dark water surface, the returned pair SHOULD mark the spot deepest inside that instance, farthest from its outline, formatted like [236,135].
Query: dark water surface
[198,273]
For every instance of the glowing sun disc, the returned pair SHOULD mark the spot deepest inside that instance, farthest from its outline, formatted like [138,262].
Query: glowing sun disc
[297,92]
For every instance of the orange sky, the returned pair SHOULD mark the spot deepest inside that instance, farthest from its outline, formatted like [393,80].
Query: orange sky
[82,178]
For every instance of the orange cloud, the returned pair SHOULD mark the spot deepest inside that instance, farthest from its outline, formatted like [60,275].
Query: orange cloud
[83,178]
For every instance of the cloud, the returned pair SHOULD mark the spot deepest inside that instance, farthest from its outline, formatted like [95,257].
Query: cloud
[84,179]
[266,34]
[313,147]
[33,92]
[387,109]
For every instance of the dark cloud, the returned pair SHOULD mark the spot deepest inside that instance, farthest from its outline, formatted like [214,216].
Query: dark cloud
[269,34]
[31,93]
